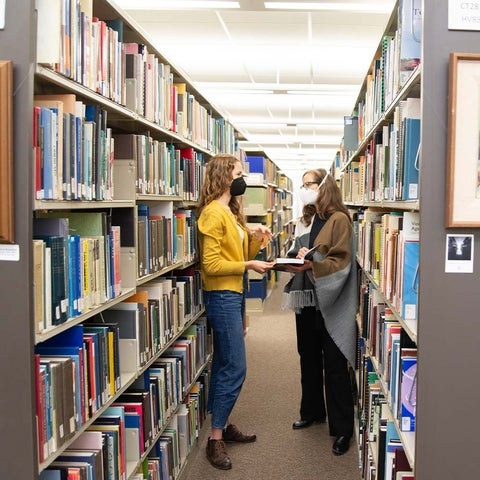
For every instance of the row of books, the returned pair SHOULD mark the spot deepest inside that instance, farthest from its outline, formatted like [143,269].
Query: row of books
[73,148]
[92,52]
[389,168]
[156,313]
[76,265]
[382,454]
[112,446]
[388,248]
[162,169]
[392,352]
[80,369]
[165,237]
[76,373]
[399,54]
[75,155]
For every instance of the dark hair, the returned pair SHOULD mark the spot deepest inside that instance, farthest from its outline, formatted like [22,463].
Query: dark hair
[329,198]
[217,180]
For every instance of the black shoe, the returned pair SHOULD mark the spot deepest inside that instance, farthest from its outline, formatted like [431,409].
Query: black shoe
[302,424]
[306,423]
[341,445]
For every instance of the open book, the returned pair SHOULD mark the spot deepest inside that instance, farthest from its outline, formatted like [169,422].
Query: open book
[281,262]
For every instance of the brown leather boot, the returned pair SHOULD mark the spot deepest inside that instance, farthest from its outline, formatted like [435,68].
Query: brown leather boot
[217,454]
[233,434]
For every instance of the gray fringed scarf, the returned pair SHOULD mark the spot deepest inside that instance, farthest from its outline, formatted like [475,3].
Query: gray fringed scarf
[299,292]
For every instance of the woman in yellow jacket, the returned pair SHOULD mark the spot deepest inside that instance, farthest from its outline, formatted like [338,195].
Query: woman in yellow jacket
[227,251]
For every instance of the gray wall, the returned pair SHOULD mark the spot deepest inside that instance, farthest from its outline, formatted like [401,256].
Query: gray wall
[447,442]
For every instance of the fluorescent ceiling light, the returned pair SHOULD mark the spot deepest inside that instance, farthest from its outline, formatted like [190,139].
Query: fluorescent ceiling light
[176,4]
[316,92]
[234,91]
[347,7]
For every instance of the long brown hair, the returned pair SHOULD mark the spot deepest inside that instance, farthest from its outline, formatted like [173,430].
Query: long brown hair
[329,198]
[217,180]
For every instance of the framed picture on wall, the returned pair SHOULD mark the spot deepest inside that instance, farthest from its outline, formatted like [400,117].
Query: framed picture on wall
[6,152]
[463,142]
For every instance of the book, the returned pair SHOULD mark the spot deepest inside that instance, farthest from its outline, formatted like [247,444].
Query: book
[410,33]
[132,436]
[54,232]
[281,262]
[411,158]
[92,457]
[39,285]
[408,393]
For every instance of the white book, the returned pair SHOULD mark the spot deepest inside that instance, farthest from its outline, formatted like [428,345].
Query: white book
[48,31]
[48,288]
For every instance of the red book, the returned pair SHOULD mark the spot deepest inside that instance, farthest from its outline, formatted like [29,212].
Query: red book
[90,368]
[40,410]
[37,153]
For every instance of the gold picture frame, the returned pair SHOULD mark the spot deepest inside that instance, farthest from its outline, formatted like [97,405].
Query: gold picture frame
[463,142]
[6,152]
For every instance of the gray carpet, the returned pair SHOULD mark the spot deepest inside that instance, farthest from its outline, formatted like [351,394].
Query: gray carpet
[267,406]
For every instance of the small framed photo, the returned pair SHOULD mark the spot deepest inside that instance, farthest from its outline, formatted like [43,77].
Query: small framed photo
[459,253]
[463,142]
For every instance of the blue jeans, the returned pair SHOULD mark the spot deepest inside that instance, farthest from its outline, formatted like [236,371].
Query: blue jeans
[229,365]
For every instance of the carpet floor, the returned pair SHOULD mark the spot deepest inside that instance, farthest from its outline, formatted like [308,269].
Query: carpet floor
[268,405]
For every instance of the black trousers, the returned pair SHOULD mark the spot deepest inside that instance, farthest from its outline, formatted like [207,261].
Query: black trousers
[325,378]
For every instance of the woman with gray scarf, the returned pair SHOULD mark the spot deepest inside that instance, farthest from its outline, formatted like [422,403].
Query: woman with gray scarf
[323,295]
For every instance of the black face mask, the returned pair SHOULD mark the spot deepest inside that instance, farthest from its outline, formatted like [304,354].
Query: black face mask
[238,187]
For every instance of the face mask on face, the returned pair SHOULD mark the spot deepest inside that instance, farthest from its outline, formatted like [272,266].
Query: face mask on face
[309,196]
[238,187]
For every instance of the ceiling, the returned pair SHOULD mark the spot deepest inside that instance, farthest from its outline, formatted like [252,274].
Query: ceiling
[285,78]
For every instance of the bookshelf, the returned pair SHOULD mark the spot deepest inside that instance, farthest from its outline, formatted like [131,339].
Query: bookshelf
[267,201]
[379,181]
[439,326]
[140,196]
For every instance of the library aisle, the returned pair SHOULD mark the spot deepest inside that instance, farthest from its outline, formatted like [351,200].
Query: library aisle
[268,405]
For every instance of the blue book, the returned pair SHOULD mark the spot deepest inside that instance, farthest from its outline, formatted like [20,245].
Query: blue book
[53,474]
[408,394]
[411,152]
[143,215]
[410,280]
[74,288]
[256,164]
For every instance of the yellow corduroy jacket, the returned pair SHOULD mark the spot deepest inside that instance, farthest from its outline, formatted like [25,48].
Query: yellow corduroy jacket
[222,253]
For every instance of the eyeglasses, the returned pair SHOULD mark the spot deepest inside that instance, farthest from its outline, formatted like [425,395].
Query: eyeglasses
[308,185]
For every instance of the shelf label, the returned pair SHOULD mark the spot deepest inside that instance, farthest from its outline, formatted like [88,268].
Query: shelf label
[463,15]
[9,253]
